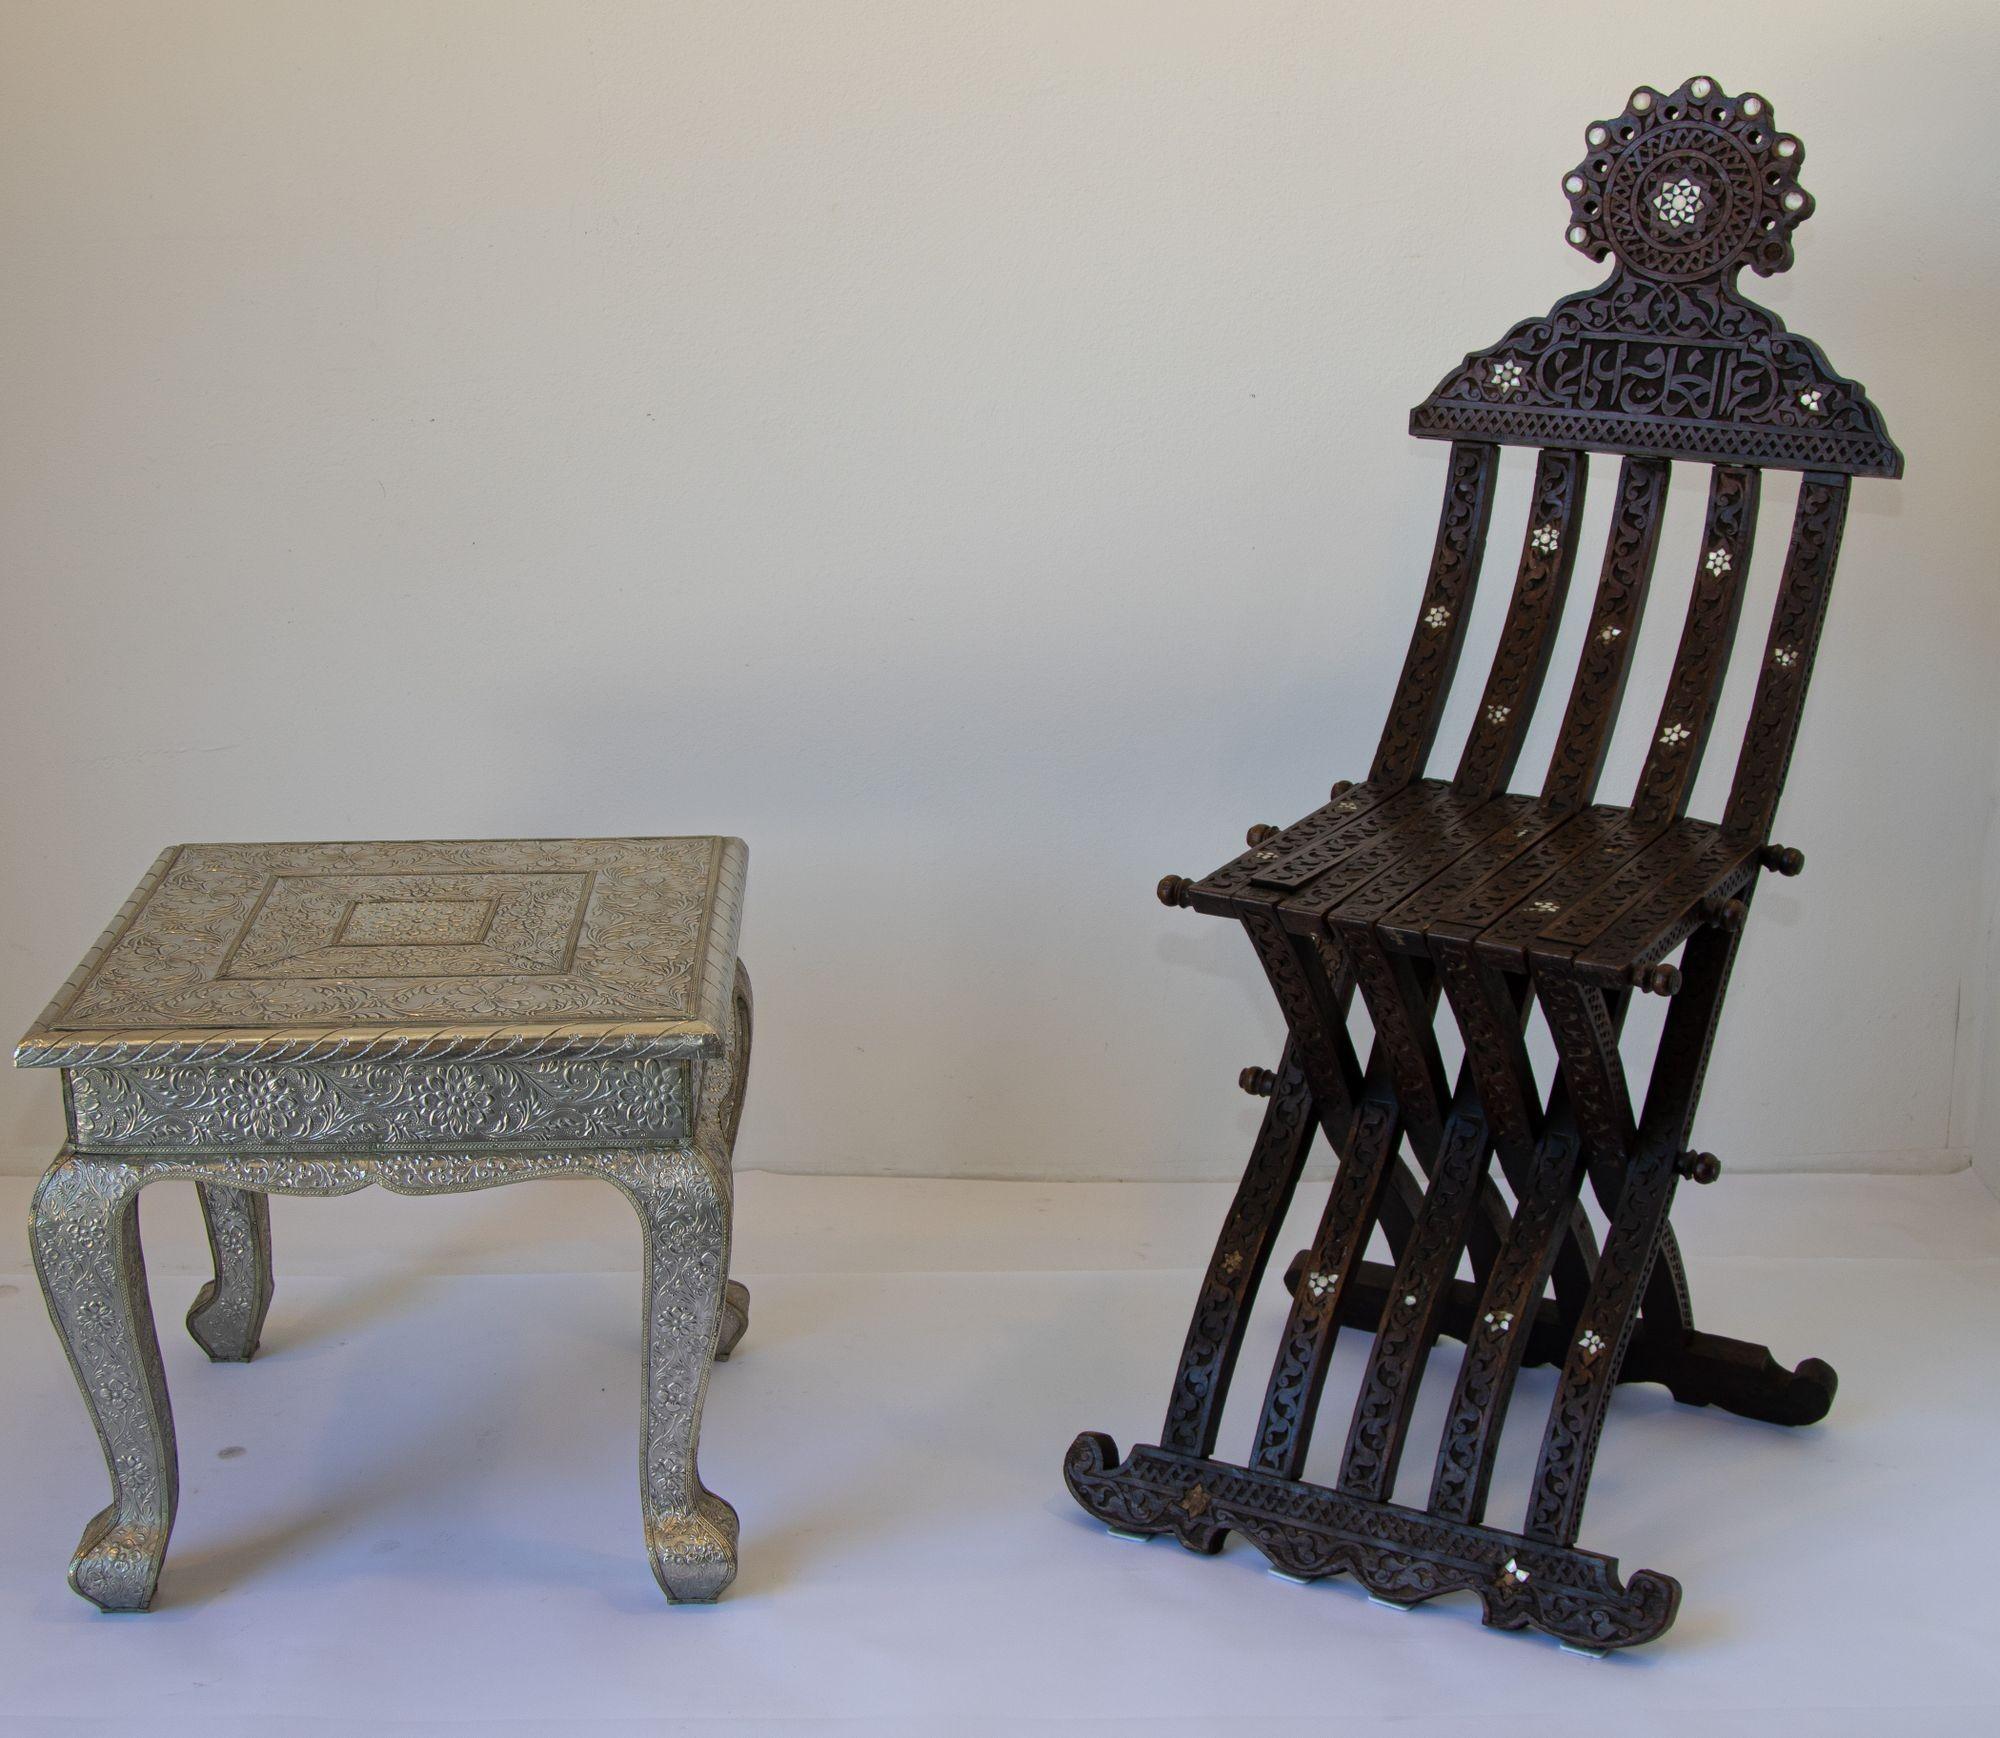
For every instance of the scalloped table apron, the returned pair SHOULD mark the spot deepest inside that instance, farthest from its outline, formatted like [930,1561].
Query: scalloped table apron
[435,1016]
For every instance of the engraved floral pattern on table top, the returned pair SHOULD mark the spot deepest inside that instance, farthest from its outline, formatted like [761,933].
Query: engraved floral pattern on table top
[445,921]
[198,1107]
[629,947]
[320,926]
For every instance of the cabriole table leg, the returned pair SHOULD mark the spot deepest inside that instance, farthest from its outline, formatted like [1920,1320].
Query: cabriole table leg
[683,1203]
[227,1319]
[86,1237]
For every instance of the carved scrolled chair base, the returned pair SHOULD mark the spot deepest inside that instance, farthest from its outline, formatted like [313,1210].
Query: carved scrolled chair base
[1401,1556]
[1739,1376]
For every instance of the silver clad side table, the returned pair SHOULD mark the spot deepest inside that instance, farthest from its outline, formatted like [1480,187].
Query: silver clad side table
[311,1019]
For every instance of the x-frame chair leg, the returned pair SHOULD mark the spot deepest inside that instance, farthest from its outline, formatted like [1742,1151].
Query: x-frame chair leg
[1631,1321]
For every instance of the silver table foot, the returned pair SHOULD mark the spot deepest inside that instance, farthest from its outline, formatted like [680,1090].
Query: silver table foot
[683,1202]
[86,1238]
[735,1319]
[227,1319]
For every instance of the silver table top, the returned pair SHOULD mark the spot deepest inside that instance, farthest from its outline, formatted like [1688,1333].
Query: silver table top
[409,950]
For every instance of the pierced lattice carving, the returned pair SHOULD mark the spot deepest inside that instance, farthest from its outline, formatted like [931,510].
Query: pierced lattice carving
[1682,191]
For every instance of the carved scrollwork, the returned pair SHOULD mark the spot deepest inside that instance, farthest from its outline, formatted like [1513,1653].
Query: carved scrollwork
[1684,189]
[1396,1554]
[1689,184]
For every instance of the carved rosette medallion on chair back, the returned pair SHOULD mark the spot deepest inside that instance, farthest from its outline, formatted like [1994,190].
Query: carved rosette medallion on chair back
[1420,890]
[437,1016]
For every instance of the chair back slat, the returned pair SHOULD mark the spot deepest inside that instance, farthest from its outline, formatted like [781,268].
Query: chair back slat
[1788,656]
[1666,361]
[1521,660]
[1695,688]
[1440,632]
[1606,659]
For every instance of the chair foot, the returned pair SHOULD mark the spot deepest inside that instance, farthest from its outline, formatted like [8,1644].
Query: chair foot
[1399,1556]
[1707,1370]
[735,1319]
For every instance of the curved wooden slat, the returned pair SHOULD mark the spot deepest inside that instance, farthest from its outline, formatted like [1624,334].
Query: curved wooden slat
[1614,626]
[1716,602]
[1788,657]
[1235,1269]
[1440,631]
[1521,659]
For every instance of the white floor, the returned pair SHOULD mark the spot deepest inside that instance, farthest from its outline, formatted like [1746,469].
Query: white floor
[416,1511]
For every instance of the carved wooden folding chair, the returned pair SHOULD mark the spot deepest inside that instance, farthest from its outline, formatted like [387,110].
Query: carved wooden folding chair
[1413,888]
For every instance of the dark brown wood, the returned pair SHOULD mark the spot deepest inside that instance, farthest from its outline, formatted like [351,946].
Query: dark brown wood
[1706,641]
[1527,639]
[1440,631]
[1508,907]
[1242,1251]
[1609,636]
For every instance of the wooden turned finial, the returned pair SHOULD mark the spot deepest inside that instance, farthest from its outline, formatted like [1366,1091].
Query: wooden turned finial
[1258,1082]
[1655,980]
[1726,914]
[1699,1167]
[1786,859]
[1174,890]
[1259,833]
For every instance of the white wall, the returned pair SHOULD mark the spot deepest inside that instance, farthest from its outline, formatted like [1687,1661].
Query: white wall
[959,448]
